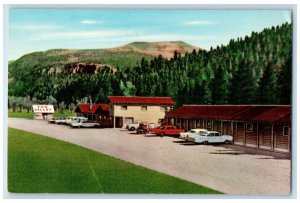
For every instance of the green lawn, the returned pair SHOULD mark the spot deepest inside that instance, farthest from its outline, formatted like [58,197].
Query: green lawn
[25,114]
[22,114]
[37,164]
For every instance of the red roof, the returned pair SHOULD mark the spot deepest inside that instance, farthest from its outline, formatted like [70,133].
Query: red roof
[141,100]
[260,113]
[85,108]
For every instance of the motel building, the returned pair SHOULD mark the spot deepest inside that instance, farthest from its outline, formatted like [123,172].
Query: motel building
[95,112]
[256,126]
[126,109]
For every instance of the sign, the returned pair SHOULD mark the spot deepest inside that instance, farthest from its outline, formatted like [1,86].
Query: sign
[43,108]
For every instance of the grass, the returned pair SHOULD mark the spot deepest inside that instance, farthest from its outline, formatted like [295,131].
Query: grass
[25,114]
[22,114]
[38,164]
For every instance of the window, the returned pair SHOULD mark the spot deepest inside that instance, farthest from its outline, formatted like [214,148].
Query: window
[144,108]
[235,126]
[208,123]
[285,130]
[124,108]
[217,134]
[249,127]
[163,108]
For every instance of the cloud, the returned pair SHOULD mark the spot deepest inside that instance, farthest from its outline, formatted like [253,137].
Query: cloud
[33,27]
[90,22]
[81,35]
[199,22]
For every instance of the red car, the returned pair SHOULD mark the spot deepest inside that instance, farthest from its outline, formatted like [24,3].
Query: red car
[167,130]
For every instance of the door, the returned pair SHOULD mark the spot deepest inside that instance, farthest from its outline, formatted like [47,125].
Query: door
[211,138]
[217,137]
[119,122]
[265,136]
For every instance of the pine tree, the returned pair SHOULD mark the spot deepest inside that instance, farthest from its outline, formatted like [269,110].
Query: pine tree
[220,87]
[243,86]
[284,83]
[266,93]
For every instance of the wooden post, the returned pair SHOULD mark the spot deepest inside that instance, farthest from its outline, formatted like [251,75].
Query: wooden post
[244,134]
[289,139]
[275,140]
[257,135]
[188,124]
[232,130]
[272,137]
[222,127]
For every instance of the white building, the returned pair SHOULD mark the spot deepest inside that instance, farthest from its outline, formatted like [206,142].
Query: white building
[125,109]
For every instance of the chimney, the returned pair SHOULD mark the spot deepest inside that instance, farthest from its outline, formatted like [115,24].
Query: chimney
[90,104]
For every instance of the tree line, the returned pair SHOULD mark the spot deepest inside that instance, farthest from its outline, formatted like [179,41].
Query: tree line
[255,69]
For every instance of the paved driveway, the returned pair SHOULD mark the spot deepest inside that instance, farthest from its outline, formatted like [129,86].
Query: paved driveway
[217,167]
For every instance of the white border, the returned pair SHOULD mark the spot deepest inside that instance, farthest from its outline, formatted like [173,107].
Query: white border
[217,4]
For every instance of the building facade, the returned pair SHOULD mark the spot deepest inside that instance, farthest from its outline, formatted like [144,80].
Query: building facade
[125,109]
[258,126]
[95,112]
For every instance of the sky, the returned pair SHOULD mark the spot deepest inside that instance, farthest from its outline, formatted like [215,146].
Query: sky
[33,30]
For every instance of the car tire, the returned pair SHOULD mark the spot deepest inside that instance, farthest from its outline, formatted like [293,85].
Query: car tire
[205,142]
[162,134]
[227,142]
[132,129]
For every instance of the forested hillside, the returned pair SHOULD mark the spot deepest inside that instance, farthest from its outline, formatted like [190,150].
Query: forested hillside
[255,69]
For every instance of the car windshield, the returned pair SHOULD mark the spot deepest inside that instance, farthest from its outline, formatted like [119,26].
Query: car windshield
[192,131]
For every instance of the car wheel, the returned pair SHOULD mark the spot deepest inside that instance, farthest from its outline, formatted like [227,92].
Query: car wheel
[132,129]
[162,134]
[205,142]
[226,142]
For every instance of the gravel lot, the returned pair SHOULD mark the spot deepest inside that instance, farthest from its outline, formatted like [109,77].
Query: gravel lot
[215,166]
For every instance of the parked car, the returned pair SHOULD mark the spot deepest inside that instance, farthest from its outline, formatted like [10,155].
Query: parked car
[191,133]
[52,120]
[146,128]
[142,129]
[60,121]
[133,126]
[85,124]
[167,130]
[211,137]
[71,119]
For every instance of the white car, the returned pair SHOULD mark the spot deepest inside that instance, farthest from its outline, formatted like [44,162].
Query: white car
[85,124]
[73,119]
[211,137]
[191,133]
[60,121]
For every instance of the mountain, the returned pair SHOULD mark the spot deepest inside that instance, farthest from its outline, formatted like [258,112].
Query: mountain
[254,69]
[166,49]
[91,60]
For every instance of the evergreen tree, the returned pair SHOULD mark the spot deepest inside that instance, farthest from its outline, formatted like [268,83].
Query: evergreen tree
[243,87]
[220,87]
[267,85]
[285,83]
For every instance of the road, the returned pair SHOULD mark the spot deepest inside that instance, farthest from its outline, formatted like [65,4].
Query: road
[215,166]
